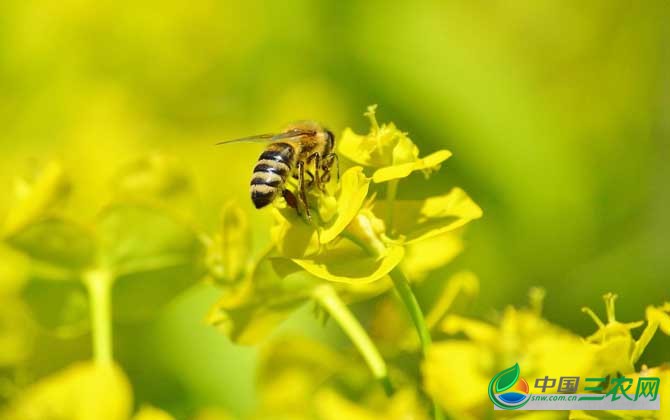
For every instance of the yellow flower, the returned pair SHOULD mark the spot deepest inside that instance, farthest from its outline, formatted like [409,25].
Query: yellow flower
[404,405]
[521,336]
[83,391]
[347,243]
[662,372]
[302,379]
[617,349]
[152,413]
[387,149]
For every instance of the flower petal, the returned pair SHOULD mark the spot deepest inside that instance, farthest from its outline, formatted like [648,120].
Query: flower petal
[292,236]
[423,219]
[468,361]
[427,164]
[353,190]
[351,265]
[421,258]
[384,145]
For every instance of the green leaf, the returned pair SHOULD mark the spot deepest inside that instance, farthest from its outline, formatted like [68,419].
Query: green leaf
[507,378]
[152,255]
[60,307]
[137,238]
[139,296]
[56,241]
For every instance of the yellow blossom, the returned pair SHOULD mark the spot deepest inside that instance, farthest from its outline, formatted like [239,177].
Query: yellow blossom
[387,149]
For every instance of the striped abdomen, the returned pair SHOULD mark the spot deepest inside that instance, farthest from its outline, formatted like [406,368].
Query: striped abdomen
[273,167]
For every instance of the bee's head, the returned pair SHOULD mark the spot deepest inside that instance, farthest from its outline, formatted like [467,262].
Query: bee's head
[331,140]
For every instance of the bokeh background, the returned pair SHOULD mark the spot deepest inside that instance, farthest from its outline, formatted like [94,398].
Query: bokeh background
[558,115]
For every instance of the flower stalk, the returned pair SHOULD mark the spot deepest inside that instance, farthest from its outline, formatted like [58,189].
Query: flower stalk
[391,192]
[409,300]
[326,296]
[412,305]
[99,284]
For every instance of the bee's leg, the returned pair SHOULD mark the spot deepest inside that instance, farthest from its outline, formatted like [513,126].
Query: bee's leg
[291,200]
[317,166]
[328,161]
[301,188]
[311,177]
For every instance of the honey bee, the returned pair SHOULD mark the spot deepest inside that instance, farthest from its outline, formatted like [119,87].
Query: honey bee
[294,152]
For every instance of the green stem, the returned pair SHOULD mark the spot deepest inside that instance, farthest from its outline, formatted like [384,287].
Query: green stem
[99,285]
[326,296]
[409,300]
[391,192]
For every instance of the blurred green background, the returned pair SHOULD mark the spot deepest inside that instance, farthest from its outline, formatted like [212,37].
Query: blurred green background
[558,115]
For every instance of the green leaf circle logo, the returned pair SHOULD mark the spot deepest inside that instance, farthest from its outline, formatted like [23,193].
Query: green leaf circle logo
[508,390]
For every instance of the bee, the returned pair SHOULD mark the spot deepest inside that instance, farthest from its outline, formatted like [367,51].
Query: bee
[294,152]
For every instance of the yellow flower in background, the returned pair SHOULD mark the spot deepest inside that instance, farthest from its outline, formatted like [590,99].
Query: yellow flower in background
[617,349]
[520,336]
[302,379]
[404,405]
[83,391]
[151,413]
[662,372]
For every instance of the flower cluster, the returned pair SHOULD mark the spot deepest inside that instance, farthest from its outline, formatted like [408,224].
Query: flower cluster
[540,347]
[355,241]
[356,246]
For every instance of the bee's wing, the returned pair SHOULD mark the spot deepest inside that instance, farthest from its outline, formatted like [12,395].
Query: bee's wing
[260,138]
[291,135]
